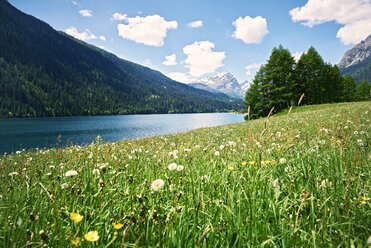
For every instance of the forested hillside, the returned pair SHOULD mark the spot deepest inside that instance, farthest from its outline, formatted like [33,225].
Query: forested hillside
[48,73]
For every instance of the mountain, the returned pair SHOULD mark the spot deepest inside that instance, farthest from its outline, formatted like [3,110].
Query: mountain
[44,72]
[223,82]
[357,61]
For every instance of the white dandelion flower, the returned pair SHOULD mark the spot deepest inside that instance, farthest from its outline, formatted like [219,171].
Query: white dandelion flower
[157,184]
[172,166]
[282,160]
[180,168]
[71,173]
[217,153]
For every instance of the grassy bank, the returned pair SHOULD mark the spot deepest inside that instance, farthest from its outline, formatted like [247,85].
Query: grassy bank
[298,181]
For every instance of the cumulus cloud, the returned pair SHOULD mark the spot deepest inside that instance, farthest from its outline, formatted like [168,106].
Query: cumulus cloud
[250,30]
[297,55]
[102,38]
[85,12]
[195,24]
[201,59]
[252,67]
[170,60]
[119,17]
[179,77]
[355,15]
[86,35]
[149,30]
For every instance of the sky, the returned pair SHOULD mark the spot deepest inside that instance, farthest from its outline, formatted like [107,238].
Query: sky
[191,39]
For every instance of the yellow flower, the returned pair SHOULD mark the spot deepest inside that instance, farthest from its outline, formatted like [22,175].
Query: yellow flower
[267,161]
[365,198]
[115,233]
[76,242]
[230,168]
[363,202]
[273,161]
[76,217]
[251,162]
[117,226]
[91,236]
[243,163]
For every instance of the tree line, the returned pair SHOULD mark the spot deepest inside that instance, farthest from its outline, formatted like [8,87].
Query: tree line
[281,81]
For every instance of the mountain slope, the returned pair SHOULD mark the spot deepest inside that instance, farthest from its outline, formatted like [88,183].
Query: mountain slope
[48,73]
[357,61]
[224,82]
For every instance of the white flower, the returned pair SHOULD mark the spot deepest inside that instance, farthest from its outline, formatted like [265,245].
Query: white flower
[287,169]
[278,134]
[282,160]
[231,143]
[355,132]
[217,153]
[157,184]
[172,166]
[52,167]
[362,132]
[71,173]
[64,185]
[180,168]
[359,141]
[103,166]
[221,147]
[346,127]
[187,150]
[13,174]
[96,172]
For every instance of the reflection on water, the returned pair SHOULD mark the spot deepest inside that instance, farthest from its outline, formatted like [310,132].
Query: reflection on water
[17,134]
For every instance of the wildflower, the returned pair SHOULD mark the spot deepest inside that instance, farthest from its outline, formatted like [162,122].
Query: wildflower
[243,163]
[71,173]
[64,185]
[221,147]
[267,161]
[91,236]
[217,153]
[282,160]
[365,198]
[157,184]
[230,168]
[355,132]
[13,174]
[96,172]
[276,183]
[251,162]
[187,150]
[231,143]
[117,226]
[172,166]
[103,166]
[287,169]
[76,217]
[363,202]
[180,168]
[76,242]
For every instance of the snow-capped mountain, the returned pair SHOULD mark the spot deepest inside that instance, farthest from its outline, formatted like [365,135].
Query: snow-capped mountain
[223,82]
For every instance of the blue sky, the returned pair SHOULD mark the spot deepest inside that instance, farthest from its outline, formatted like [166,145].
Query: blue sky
[192,39]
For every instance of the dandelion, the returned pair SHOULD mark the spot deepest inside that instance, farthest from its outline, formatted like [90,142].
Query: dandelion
[365,198]
[230,168]
[172,166]
[91,236]
[180,168]
[117,226]
[157,184]
[282,160]
[355,132]
[76,242]
[76,217]
[71,173]
[217,153]
[267,161]
[243,163]
[251,162]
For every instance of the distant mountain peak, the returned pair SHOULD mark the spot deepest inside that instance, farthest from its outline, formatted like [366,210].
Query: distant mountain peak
[357,54]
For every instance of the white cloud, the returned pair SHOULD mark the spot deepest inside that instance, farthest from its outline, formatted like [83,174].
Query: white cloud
[102,38]
[195,24]
[252,67]
[250,30]
[149,30]
[75,3]
[201,59]
[86,35]
[85,13]
[355,15]
[170,60]
[297,55]
[147,62]
[119,17]
[180,77]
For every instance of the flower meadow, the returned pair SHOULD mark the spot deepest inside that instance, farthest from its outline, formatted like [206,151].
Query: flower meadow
[286,181]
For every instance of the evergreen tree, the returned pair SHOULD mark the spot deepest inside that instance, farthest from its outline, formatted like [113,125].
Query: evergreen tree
[363,91]
[348,87]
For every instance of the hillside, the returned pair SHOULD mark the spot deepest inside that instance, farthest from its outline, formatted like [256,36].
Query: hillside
[289,181]
[357,61]
[48,73]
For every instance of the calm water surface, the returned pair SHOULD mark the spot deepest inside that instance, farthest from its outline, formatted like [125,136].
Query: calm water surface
[17,134]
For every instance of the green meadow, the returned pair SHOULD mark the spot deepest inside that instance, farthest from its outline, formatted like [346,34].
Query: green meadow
[298,180]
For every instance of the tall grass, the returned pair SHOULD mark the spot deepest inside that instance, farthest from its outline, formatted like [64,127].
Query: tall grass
[288,181]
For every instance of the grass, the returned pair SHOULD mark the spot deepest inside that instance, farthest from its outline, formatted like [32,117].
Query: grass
[298,181]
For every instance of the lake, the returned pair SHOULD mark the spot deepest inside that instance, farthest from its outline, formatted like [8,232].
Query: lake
[17,134]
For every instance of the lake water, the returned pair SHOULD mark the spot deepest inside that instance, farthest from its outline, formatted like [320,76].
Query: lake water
[17,134]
